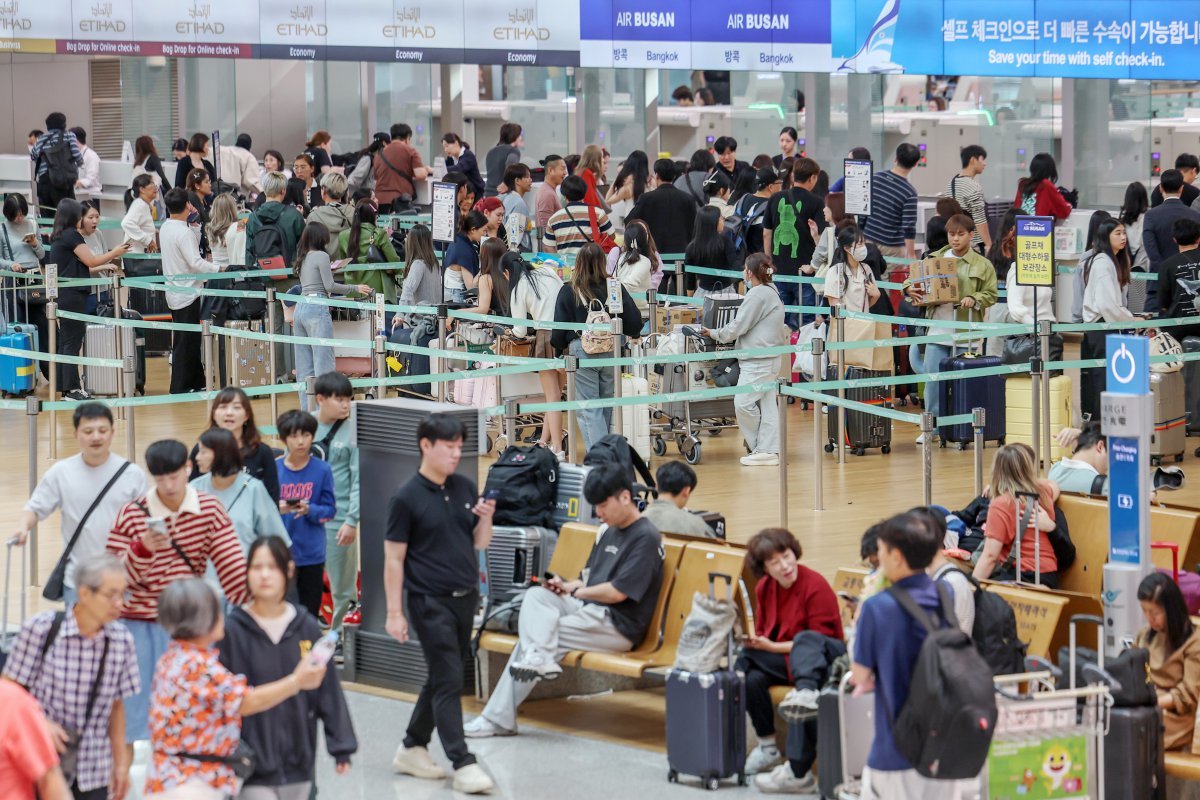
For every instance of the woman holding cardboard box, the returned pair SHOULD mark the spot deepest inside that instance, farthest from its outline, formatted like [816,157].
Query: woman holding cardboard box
[976,293]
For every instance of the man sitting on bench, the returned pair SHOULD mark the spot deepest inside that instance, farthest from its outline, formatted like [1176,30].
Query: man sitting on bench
[608,609]
[676,482]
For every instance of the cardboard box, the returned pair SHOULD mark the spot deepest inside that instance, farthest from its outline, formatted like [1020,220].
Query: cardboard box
[939,278]
[668,318]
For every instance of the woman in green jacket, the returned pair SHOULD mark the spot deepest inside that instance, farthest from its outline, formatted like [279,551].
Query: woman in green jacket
[976,293]
[357,242]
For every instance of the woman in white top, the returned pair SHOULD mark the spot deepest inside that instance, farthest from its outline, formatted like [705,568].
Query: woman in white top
[849,282]
[628,187]
[1105,299]
[636,264]
[222,219]
[1021,300]
[1133,214]
[533,293]
[138,222]
[718,189]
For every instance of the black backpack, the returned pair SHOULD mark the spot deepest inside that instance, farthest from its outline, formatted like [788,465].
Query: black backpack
[995,630]
[615,449]
[527,480]
[268,240]
[945,727]
[245,308]
[62,171]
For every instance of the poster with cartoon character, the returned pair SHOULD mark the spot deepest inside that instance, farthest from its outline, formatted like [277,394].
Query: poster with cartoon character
[1049,769]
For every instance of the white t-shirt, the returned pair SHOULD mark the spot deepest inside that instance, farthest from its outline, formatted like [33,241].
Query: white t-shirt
[72,486]
[277,627]
[964,595]
[847,286]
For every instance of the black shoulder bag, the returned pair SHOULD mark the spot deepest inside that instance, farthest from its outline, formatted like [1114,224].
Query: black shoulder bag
[53,590]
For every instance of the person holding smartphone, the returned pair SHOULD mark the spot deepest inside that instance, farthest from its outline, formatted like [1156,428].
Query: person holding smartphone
[265,640]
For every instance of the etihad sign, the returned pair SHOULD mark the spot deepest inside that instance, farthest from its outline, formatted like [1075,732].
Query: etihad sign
[522,27]
[408,26]
[9,21]
[102,21]
[302,24]
[199,22]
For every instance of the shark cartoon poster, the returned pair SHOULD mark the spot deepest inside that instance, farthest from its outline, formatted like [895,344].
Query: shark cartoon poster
[1047,769]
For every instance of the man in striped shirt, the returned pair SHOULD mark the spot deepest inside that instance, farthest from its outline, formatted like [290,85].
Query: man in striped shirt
[892,225]
[170,534]
[570,228]
[964,187]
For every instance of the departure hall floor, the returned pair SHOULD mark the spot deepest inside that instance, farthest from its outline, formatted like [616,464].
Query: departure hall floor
[603,747]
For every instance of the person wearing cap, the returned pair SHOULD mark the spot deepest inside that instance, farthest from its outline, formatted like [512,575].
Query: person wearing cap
[752,208]
[669,212]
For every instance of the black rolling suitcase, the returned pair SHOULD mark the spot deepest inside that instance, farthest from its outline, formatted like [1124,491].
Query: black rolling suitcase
[151,304]
[706,723]
[1191,381]
[863,431]
[413,363]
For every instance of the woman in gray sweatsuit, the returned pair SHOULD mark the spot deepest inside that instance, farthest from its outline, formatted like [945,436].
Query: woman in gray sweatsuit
[758,324]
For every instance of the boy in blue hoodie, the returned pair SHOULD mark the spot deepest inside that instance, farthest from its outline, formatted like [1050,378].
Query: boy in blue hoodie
[306,502]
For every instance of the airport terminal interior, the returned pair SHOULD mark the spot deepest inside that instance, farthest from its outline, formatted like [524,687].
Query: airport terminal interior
[600,731]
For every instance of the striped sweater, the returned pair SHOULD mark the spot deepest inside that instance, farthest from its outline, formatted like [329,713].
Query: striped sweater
[893,210]
[203,532]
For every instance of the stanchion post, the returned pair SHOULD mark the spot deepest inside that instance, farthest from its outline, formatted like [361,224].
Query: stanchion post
[33,407]
[120,344]
[272,310]
[618,418]
[978,421]
[841,375]
[571,364]
[818,351]
[129,378]
[1045,328]
[52,325]
[510,421]
[781,404]
[380,366]
[210,356]
[310,390]
[927,421]
[1035,376]
[652,307]
[679,290]
[443,313]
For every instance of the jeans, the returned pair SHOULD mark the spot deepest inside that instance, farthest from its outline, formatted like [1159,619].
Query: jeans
[313,321]
[757,412]
[341,564]
[150,641]
[592,383]
[551,625]
[806,668]
[443,627]
[931,363]
[187,369]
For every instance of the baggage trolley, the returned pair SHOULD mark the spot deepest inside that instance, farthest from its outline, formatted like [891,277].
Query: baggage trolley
[686,419]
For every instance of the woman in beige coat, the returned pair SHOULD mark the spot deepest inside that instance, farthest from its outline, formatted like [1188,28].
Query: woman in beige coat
[1174,647]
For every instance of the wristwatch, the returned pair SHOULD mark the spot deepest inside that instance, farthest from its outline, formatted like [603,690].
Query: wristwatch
[573,591]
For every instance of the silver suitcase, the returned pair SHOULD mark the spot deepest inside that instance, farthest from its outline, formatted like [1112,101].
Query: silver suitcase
[100,342]
[249,360]
[570,505]
[516,559]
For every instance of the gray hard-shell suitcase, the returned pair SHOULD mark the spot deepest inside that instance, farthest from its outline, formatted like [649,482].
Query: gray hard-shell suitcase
[248,360]
[517,557]
[9,639]
[845,731]
[706,721]
[570,505]
[1169,438]
[100,341]
[863,431]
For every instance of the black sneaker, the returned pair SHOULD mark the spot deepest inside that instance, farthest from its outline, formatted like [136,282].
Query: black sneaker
[78,395]
[339,657]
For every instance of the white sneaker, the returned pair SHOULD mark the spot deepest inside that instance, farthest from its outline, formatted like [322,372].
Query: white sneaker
[761,460]
[781,781]
[415,761]
[799,704]
[535,666]
[471,779]
[483,728]
[921,439]
[763,758]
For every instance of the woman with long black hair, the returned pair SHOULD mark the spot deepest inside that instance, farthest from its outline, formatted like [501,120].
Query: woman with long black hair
[365,243]
[628,187]
[1174,647]
[1106,276]
[710,247]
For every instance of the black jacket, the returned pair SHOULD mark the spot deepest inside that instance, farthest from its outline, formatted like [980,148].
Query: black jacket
[1159,242]
[569,309]
[669,213]
[284,739]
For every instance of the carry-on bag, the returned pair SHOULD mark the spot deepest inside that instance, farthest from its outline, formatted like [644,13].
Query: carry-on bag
[100,341]
[248,361]
[635,420]
[963,395]
[1191,380]
[1018,410]
[517,557]
[9,639]
[706,723]
[845,731]
[1169,438]
[863,431]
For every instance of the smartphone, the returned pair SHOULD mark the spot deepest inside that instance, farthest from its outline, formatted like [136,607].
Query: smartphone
[293,502]
[549,576]
[157,525]
[323,650]
[491,494]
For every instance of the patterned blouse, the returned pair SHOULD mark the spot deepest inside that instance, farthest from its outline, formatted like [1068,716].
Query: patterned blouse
[195,708]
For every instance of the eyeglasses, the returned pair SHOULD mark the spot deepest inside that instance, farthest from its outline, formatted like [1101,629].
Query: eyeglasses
[113,596]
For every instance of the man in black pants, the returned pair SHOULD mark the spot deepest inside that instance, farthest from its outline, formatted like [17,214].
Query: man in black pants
[180,248]
[436,522]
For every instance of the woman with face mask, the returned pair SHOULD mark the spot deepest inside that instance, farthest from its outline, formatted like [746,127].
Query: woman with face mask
[850,283]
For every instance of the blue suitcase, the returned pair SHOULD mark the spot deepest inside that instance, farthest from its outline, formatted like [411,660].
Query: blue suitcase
[18,375]
[964,395]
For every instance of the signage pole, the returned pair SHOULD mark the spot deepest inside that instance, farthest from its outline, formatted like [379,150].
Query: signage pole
[1127,417]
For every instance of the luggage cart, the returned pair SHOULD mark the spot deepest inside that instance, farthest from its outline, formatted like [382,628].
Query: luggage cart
[491,391]
[684,420]
[1048,742]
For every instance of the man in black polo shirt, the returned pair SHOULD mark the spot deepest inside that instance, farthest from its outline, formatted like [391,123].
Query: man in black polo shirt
[436,522]
[607,610]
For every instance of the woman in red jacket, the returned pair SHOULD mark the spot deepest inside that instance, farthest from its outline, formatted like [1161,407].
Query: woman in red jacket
[591,169]
[1038,195]
[797,635]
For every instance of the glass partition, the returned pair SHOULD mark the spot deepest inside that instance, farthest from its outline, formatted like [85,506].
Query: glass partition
[334,98]
[536,98]
[409,93]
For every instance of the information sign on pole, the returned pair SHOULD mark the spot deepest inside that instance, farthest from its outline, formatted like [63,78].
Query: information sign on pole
[52,281]
[1035,251]
[858,186]
[444,215]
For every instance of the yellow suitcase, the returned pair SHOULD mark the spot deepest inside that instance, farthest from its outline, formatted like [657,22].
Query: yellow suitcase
[1019,411]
